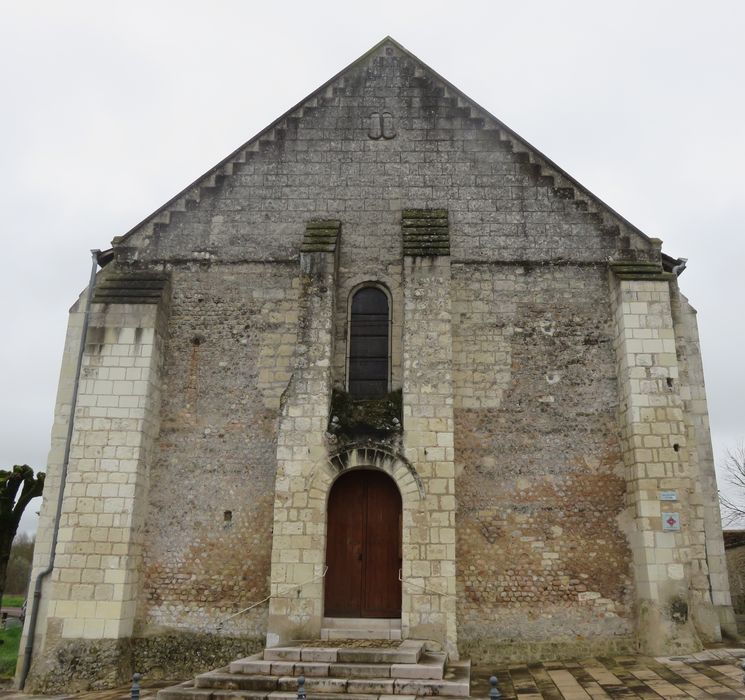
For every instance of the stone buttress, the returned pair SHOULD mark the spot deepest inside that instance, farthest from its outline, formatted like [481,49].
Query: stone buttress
[298,546]
[668,494]
[429,603]
[91,597]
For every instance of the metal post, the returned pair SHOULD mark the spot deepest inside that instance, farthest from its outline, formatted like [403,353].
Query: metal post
[742,666]
[301,688]
[494,693]
[136,686]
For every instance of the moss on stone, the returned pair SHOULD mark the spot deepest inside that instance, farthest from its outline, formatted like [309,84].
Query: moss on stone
[375,417]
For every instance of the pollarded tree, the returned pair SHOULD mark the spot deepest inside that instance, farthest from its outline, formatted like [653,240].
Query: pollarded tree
[17,488]
[19,564]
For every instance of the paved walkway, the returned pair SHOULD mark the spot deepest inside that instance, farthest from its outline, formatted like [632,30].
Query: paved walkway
[715,673]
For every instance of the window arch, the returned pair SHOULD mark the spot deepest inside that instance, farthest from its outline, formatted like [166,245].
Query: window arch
[369,343]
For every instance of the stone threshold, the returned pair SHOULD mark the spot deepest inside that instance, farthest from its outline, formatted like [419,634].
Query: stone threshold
[343,629]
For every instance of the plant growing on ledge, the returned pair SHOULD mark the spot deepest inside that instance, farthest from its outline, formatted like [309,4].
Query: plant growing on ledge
[20,478]
[354,418]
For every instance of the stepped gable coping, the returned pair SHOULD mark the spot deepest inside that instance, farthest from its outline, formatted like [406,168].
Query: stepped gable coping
[221,168]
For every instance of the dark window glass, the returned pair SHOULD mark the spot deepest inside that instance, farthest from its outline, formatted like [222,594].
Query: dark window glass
[368,344]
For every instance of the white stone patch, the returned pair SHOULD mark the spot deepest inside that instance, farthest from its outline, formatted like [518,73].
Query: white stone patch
[547,326]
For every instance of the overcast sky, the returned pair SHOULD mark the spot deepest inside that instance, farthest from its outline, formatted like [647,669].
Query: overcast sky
[109,109]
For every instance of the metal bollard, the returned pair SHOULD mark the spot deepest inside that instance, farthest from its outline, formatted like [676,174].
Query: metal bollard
[742,666]
[301,688]
[494,693]
[135,694]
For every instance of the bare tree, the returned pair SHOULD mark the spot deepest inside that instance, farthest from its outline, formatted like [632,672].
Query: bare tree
[12,504]
[733,502]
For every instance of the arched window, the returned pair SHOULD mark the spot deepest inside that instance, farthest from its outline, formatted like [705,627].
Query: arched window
[369,344]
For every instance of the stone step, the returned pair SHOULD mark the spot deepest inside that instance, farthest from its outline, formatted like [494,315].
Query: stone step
[279,695]
[404,672]
[184,693]
[455,681]
[223,679]
[430,665]
[458,686]
[188,692]
[407,652]
[178,693]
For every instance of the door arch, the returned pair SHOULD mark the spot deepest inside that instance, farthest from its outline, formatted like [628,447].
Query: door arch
[363,546]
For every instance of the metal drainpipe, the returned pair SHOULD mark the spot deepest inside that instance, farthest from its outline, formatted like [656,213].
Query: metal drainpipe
[34,613]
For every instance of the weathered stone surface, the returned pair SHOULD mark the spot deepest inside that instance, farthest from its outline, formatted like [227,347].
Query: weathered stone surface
[231,338]
[375,686]
[77,665]
[318,655]
[282,654]
[359,670]
[539,485]
[184,654]
[551,385]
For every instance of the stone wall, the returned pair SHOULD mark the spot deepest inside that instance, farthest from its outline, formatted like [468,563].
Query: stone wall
[231,336]
[736,568]
[540,488]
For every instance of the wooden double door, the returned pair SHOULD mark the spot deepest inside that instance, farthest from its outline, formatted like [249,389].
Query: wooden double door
[363,550]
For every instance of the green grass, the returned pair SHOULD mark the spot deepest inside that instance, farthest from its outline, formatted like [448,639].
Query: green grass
[11,638]
[13,601]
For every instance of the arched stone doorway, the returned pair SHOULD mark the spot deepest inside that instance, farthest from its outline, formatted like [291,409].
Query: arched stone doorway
[363,546]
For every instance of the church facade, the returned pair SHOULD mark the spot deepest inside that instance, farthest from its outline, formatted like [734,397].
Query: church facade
[385,367]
